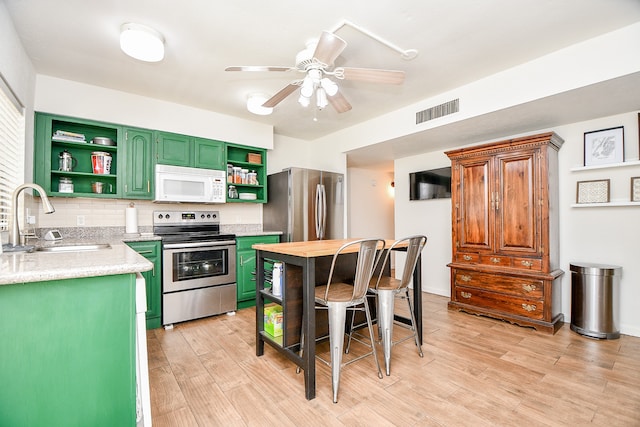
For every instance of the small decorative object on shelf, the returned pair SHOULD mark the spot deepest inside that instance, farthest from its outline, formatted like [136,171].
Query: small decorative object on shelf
[254,158]
[635,189]
[604,146]
[593,191]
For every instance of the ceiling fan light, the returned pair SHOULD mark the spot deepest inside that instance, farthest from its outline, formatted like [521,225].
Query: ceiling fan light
[306,89]
[304,100]
[141,42]
[329,86]
[254,104]
[321,98]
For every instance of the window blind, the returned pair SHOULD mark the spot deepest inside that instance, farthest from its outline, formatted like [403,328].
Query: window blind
[11,149]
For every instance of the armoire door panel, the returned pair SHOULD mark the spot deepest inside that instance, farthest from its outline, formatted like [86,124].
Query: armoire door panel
[517,231]
[475,216]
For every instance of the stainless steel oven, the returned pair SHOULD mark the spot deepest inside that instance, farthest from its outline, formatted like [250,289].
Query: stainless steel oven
[199,265]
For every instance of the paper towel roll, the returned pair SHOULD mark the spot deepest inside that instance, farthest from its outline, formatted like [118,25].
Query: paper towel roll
[131,220]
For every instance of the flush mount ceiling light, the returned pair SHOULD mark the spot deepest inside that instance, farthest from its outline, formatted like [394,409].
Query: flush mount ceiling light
[254,104]
[141,42]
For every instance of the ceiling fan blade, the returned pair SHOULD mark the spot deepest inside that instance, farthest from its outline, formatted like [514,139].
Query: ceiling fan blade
[329,48]
[339,102]
[278,97]
[372,75]
[257,68]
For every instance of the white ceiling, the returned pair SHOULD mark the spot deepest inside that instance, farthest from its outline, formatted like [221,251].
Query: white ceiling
[459,41]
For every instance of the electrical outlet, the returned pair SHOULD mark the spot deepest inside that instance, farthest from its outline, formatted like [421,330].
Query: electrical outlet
[80,220]
[31,219]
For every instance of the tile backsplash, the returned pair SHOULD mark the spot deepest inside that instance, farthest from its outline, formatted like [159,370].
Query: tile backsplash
[86,212]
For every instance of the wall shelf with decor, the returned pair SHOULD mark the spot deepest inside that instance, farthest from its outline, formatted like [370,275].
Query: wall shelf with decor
[604,205]
[607,166]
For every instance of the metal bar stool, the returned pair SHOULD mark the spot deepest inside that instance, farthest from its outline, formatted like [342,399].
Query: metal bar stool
[388,288]
[339,297]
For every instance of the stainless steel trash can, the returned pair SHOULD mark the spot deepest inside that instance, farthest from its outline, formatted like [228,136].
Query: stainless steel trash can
[595,299]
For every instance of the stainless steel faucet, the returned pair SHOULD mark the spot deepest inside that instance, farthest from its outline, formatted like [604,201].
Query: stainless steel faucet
[47,207]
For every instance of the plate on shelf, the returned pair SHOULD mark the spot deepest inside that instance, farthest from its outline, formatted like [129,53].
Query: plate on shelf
[247,196]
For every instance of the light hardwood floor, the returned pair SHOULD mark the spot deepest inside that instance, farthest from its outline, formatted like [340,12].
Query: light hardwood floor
[475,371]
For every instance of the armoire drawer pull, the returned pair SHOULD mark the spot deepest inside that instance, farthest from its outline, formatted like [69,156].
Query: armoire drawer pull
[527,263]
[467,257]
[495,260]
[465,278]
[529,307]
[528,288]
[466,295]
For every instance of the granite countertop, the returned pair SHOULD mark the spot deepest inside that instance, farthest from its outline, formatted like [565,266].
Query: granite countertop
[23,267]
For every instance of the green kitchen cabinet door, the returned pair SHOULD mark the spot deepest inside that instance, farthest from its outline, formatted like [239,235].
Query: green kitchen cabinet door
[174,149]
[68,356]
[208,154]
[139,180]
[246,267]
[151,250]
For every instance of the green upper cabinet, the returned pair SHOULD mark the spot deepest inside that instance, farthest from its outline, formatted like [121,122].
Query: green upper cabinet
[55,135]
[139,180]
[188,151]
[251,159]
[208,154]
[174,149]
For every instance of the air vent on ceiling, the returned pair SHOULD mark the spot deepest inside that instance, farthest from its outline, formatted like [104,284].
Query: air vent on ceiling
[438,111]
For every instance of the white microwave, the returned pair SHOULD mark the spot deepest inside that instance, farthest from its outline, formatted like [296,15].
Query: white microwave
[192,185]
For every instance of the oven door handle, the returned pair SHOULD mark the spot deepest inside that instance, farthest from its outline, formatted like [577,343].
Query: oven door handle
[198,244]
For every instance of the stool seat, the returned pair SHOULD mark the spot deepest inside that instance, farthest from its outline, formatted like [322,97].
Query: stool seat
[338,292]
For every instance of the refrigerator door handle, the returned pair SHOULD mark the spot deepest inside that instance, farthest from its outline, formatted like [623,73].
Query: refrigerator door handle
[317,211]
[323,219]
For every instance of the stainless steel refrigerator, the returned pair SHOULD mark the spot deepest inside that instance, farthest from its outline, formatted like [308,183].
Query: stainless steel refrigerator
[305,204]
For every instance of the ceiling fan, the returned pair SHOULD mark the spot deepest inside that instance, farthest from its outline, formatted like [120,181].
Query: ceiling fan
[317,63]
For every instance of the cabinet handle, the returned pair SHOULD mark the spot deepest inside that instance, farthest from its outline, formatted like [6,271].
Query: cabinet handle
[495,260]
[148,186]
[467,257]
[493,203]
[527,263]
[497,200]
[465,278]
[528,288]
[466,295]
[529,307]
[125,188]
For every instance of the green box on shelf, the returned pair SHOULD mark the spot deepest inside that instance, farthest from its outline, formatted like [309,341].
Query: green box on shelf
[273,320]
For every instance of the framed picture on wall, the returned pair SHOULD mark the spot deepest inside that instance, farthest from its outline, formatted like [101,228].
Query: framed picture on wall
[635,189]
[604,146]
[593,191]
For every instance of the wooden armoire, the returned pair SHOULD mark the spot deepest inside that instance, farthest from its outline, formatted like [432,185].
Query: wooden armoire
[504,199]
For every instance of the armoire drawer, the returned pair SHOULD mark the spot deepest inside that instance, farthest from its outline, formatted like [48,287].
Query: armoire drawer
[525,287]
[504,303]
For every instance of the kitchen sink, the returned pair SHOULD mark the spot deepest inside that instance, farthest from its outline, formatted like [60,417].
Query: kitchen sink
[74,248]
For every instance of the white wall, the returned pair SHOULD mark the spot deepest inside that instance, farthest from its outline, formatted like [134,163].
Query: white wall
[429,217]
[75,99]
[606,235]
[17,70]
[371,204]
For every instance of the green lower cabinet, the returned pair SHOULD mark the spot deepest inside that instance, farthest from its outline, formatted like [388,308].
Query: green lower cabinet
[246,267]
[151,250]
[68,353]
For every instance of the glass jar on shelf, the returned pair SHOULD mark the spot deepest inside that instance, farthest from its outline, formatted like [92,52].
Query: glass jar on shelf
[233,193]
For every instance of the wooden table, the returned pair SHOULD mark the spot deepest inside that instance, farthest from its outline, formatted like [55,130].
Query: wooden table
[302,262]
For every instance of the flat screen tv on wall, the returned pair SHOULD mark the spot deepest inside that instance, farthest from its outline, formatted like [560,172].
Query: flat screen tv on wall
[430,184]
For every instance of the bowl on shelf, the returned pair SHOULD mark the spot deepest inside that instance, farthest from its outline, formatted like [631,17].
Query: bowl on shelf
[247,196]
[101,140]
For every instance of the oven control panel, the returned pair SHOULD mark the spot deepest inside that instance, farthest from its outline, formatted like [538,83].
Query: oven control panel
[185,217]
